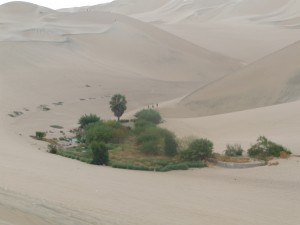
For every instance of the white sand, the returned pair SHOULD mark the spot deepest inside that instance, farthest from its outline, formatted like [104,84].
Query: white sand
[82,58]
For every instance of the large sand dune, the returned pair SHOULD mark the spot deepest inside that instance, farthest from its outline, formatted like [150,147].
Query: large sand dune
[226,70]
[272,80]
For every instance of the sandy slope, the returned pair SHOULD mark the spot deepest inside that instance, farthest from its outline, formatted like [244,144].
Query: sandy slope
[74,62]
[272,80]
[244,26]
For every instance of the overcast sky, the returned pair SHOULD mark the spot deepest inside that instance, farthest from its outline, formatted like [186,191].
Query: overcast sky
[58,4]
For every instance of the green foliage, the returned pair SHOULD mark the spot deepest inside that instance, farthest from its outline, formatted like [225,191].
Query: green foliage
[265,148]
[178,166]
[100,154]
[118,105]
[184,142]
[98,132]
[40,135]
[88,119]
[199,149]
[234,150]
[157,165]
[142,125]
[150,141]
[170,144]
[52,149]
[149,115]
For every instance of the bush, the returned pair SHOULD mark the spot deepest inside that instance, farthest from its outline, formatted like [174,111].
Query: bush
[149,115]
[40,135]
[98,132]
[234,150]
[52,149]
[183,143]
[170,147]
[150,141]
[100,154]
[142,125]
[178,166]
[265,148]
[88,119]
[199,149]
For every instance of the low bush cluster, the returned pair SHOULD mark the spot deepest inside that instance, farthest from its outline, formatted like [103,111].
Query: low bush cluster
[40,135]
[149,115]
[234,150]
[199,149]
[88,119]
[265,148]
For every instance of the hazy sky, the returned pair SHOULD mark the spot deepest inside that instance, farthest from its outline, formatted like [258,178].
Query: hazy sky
[58,4]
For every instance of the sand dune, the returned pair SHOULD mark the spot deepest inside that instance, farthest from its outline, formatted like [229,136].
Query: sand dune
[188,56]
[272,80]
[243,25]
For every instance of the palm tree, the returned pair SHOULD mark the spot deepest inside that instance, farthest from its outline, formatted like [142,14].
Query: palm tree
[118,105]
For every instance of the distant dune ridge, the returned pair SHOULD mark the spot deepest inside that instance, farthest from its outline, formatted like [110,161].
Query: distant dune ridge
[226,70]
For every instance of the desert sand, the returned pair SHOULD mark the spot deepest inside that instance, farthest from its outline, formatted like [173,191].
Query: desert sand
[226,70]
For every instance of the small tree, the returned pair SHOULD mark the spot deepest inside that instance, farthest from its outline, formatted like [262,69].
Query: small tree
[40,135]
[170,144]
[118,105]
[88,119]
[100,154]
[234,150]
[149,115]
[199,149]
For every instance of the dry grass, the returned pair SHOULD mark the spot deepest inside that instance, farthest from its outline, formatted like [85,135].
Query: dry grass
[239,159]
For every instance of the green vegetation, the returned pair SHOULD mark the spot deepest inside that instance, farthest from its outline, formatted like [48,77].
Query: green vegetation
[118,105]
[149,115]
[170,144]
[39,135]
[199,149]
[234,150]
[142,147]
[88,119]
[265,148]
[100,154]
[52,148]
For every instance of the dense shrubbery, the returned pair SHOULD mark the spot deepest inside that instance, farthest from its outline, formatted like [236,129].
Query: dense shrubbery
[88,119]
[52,149]
[170,144]
[234,150]
[149,115]
[150,141]
[100,153]
[40,135]
[265,148]
[199,149]
[98,132]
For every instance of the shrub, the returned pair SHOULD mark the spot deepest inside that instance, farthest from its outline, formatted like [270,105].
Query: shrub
[40,135]
[234,150]
[52,149]
[149,115]
[142,125]
[88,119]
[150,141]
[170,147]
[199,149]
[100,154]
[183,143]
[178,166]
[265,148]
[98,132]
